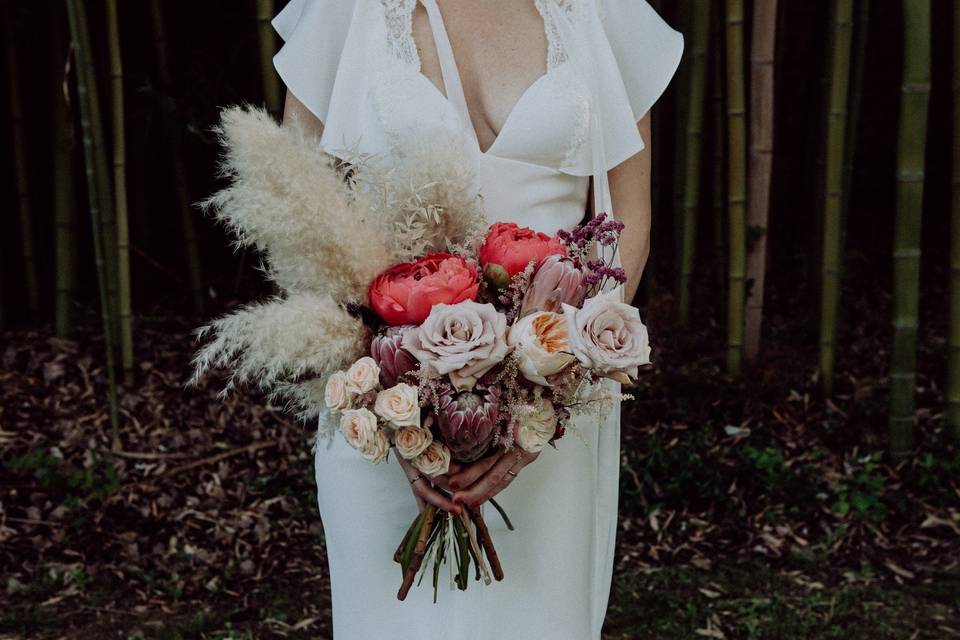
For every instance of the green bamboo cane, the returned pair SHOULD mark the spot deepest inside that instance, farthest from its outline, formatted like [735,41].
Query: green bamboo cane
[953,365]
[718,160]
[911,146]
[21,179]
[268,45]
[180,187]
[861,28]
[694,143]
[762,55]
[833,193]
[124,306]
[89,110]
[737,181]
[64,181]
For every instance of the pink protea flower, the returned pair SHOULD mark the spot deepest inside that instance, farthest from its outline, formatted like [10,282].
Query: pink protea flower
[467,422]
[557,281]
[393,359]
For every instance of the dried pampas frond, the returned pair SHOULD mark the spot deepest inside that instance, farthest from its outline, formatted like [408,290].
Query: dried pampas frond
[288,199]
[282,341]
[304,398]
[428,197]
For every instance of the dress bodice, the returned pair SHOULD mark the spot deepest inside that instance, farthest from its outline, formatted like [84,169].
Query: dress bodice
[355,65]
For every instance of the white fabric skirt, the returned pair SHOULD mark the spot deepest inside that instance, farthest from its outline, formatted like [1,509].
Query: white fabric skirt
[557,563]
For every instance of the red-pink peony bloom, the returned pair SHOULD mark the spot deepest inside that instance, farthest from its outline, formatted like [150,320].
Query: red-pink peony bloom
[467,422]
[508,249]
[405,293]
[393,359]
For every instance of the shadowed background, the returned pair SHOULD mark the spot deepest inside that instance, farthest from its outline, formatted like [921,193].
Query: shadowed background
[761,499]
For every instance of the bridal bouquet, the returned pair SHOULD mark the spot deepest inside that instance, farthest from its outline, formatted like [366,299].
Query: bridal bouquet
[423,331]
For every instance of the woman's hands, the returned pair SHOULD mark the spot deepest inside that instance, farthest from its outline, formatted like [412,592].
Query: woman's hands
[424,487]
[476,483]
[471,484]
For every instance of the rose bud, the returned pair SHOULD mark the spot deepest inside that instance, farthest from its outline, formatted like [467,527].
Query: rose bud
[393,359]
[405,293]
[508,249]
[467,422]
[557,281]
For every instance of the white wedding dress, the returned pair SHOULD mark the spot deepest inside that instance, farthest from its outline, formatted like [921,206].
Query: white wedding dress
[355,65]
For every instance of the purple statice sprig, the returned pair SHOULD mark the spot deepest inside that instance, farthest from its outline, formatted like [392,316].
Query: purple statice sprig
[580,242]
[599,229]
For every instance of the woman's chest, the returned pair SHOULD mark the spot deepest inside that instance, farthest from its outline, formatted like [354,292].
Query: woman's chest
[500,49]
[496,74]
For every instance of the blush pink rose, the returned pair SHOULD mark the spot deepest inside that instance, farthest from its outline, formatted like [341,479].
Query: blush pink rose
[508,249]
[405,293]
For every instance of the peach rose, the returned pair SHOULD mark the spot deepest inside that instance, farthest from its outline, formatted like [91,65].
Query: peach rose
[399,406]
[336,395]
[412,441]
[363,375]
[535,428]
[434,461]
[540,342]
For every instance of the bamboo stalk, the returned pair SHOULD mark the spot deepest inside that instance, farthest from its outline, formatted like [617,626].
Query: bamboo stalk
[124,306]
[694,144]
[89,112]
[911,147]
[64,182]
[737,179]
[833,192]
[173,137]
[18,132]
[762,70]
[953,364]
[718,155]
[267,40]
[861,26]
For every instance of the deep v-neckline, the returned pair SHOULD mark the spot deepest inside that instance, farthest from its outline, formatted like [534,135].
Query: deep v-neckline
[453,93]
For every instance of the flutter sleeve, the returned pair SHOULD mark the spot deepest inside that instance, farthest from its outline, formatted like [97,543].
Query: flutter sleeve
[629,56]
[314,33]
[647,50]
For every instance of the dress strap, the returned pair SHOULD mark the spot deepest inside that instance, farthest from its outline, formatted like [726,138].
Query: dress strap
[453,87]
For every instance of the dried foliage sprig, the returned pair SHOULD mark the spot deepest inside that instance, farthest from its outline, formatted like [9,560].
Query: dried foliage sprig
[428,198]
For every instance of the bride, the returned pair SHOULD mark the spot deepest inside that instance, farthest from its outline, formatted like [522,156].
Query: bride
[553,97]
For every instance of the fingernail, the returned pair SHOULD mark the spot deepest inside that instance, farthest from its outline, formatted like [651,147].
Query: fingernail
[456,500]
[454,485]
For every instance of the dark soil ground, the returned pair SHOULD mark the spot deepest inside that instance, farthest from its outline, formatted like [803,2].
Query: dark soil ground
[751,509]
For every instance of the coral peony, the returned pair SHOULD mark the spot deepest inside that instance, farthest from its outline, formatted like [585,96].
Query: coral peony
[508,249]
[405,293]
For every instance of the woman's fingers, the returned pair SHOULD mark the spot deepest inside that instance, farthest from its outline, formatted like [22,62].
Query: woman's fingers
[470,473]
[423,489]
[497,478]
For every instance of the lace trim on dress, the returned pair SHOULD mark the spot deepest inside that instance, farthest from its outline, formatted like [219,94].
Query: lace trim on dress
[555,52]
[399,19]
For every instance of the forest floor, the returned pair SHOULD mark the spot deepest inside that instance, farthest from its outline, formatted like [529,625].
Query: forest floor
[751,509]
